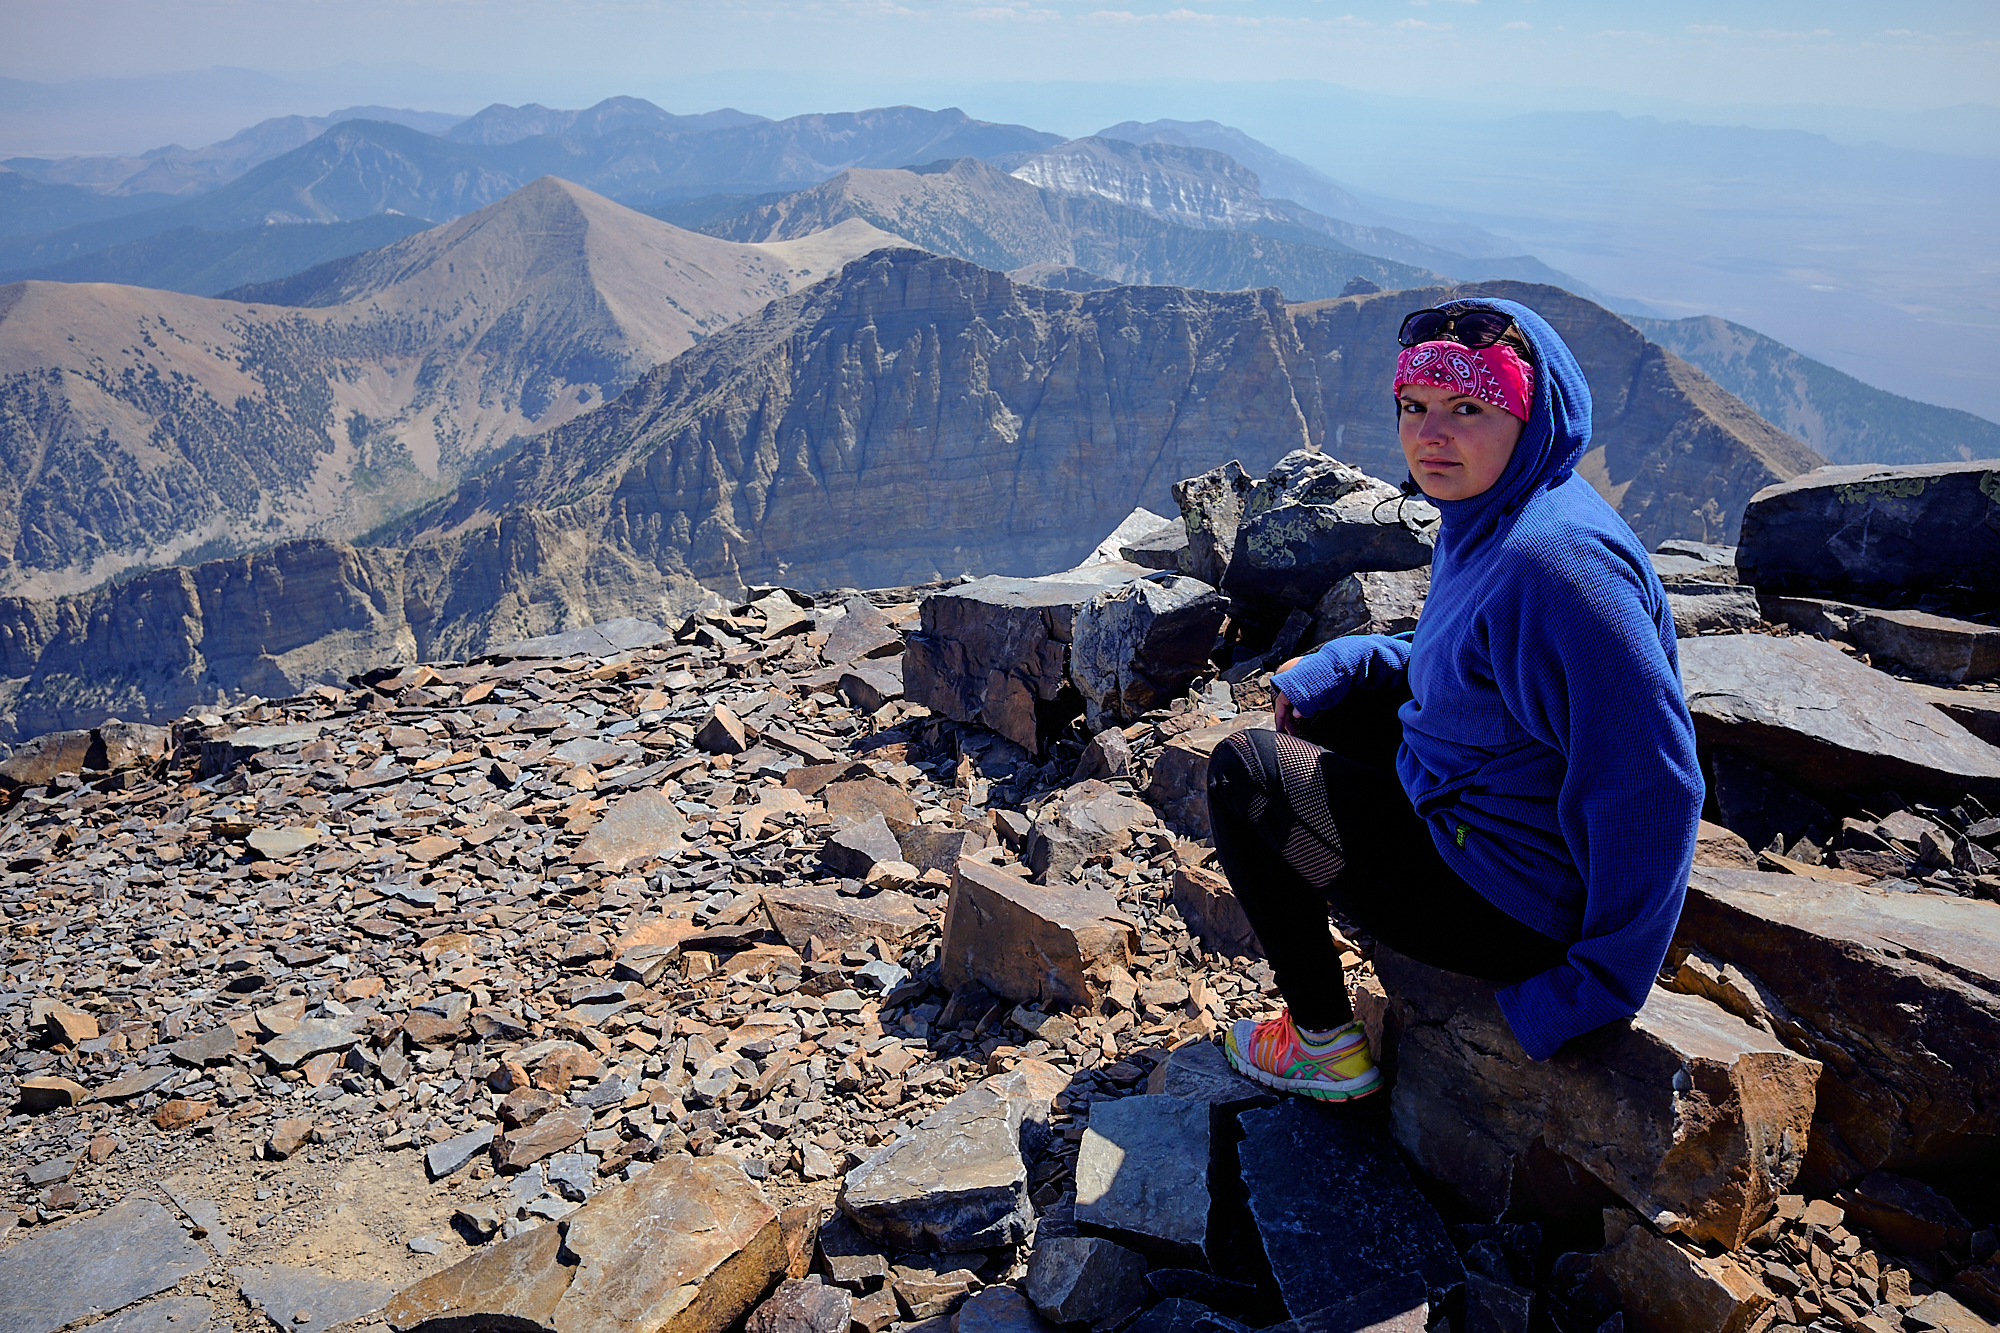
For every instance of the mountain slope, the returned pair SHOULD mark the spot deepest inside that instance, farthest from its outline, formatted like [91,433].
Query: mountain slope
[138,426]
[502,124]
[29,206]
[977,212]
[207,263]
[1843,418]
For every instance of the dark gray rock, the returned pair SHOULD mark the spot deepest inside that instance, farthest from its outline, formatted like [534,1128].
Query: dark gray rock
[1897,993]
[1322,1183]
[802,1306]
[442,1159]
[857,849]
[1108,755]
[1314,520]
[57,1276]
[863,632]
[956,1183]
[1200,1072]
[1397,1306]
[1137,646]
[938,846]
[1211,507]
[1816,717]
[1077,1279]
[314,1036]
[1496,1307]
[1939,647]
[282,1291]
[211,1047]
[995,651]
[206,1214]
[1708,553]
[1376,602]
[1878,534]
[1712,608]
[1178,1314]
[1760,806]
[998,1310]
[869,686]
[1142,1176]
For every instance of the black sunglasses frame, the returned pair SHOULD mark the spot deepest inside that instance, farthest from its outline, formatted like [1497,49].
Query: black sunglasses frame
[1491,327]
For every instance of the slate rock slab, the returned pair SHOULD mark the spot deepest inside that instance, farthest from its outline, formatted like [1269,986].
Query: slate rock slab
[859,848]
[132,1085]
[1377,602]
[1200,1072]
[639,827]
[281,1291]
[1940,647]
[1712,608]
[817,911]
[1898,992]
[688,1247]
[956,1183]
[1818,718]
[1179,787]
[803,1306]
[1390,1307]
[1079,1279]
[103,1263]
[1142,1177]
[174,1314]
[1321,1182]
[604,639]
[313,1037]
[1877,534]
[442,1159]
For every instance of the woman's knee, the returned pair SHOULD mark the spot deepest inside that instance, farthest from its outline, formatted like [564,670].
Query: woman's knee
[1236,773]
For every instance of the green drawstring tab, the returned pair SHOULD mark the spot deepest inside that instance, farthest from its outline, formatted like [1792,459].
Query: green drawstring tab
[1458,835]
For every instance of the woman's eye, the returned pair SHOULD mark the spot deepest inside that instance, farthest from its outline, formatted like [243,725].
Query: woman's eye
[1467,409]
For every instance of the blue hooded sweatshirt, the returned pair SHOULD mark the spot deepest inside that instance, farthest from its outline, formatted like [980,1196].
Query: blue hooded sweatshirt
[1547,743]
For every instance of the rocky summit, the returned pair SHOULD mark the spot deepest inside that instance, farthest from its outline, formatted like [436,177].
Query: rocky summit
[1020,422]
[855,962]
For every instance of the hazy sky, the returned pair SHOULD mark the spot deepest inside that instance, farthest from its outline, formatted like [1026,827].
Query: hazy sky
[1510,53]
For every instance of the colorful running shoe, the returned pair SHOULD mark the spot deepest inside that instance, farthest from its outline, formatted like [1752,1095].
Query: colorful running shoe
[1271,1053]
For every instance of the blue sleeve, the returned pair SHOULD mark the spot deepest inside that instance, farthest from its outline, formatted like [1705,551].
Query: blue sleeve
[1591,673]
[1357,661]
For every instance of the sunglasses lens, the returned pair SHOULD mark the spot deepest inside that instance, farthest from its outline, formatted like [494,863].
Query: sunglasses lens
[1482,328]
[1422,327]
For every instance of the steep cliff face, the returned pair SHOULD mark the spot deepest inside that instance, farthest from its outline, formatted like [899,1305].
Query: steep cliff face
[140,427]
[1674,453]
[915,416]
[975,211]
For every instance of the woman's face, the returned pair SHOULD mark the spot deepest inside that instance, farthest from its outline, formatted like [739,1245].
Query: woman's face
[1456,446]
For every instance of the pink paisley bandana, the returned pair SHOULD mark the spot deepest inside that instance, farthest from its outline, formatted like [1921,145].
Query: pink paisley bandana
[1495,374]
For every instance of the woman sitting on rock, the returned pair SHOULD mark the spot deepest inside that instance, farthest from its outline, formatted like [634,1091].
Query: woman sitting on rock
[1509,792]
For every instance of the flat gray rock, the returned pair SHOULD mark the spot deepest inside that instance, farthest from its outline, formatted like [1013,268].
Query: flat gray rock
[1200,1072]
[1712,608]
[206,1049]
[442,1159]
[957,1183]
[206,1214]
[1818,718]
[1142,1177]
[639,827]
[133,1085]
[313,1037]
[100,1264]
[604,639]
[282,1292]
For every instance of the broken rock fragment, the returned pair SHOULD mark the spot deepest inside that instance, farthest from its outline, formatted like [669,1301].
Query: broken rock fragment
[816,911]
[1384,601]
[1312,521]
[1080,1280]
[1137,646]
[688,1247]
[956,1183]
[1085,821]
[639,827]
[1666,1288]
[61,1274]
[1026,942]
[1179,787]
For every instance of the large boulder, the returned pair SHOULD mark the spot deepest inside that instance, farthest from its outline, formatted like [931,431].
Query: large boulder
[1878,534]
[1686,1112]
[1818,718]
[1314,520]
[1024,942]
[1665,1287]
[1211,507]
[688,1247]
[1137,646]
[995,651]
[1897,993]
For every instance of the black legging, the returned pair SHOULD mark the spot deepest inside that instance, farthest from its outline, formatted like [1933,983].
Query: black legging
[1303,823]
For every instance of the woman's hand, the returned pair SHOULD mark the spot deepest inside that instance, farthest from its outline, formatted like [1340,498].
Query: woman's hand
[1283,719]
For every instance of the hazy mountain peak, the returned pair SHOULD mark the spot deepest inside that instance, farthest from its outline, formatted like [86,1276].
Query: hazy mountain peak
[503,124]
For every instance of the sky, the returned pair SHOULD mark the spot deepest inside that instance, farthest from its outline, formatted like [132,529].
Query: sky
[787,55]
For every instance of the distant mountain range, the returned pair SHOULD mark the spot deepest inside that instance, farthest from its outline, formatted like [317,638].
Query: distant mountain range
[143,427]
[1848,421]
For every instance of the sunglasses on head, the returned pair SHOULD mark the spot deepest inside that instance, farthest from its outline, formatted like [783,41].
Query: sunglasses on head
[1468,328]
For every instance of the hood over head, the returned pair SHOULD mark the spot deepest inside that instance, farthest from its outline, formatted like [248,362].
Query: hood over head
[1557,432]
